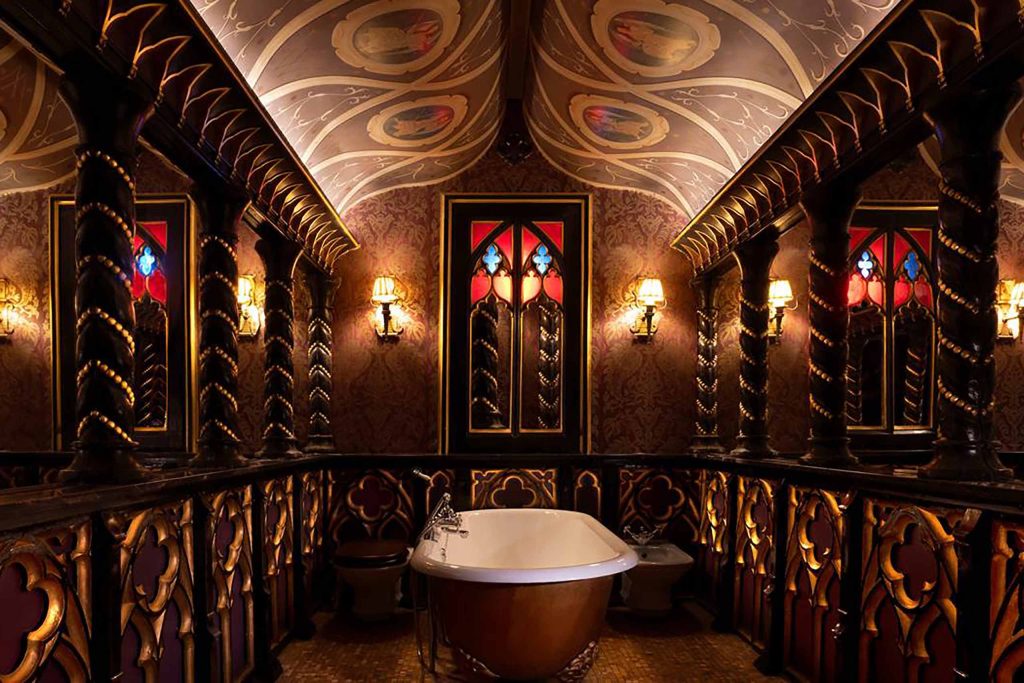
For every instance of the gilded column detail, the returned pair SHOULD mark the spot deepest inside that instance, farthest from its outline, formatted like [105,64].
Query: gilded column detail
[220,212]
[109,116]
[279,257]
[320,438]
[968,131]
[755,260]
[706,439]
[829,212]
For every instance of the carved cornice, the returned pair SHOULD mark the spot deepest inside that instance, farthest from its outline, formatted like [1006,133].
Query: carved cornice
[166,50]
[922,54]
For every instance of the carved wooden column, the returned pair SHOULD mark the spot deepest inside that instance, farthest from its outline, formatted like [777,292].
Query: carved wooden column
[968,131]
[755,260]
[279,257]
[220,211]
[706,439]
[321,437]
[829,212]
[109,116]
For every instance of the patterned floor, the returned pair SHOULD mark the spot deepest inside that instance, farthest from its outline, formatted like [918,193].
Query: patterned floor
[680,648]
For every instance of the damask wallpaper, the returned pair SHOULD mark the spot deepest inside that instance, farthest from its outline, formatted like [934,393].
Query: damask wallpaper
[386,395]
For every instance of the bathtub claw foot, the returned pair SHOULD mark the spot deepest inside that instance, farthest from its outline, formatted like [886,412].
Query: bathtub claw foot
[577,669]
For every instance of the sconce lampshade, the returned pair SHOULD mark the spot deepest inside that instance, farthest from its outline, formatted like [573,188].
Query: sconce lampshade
[246,290]
[780,293]
[384,290]
[650,292]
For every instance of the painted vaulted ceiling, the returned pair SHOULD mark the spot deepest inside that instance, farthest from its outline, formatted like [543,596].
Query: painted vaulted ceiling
[669,98]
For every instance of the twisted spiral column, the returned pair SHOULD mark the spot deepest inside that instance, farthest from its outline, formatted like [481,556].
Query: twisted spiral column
[486,414]
[550,365]
[968,132]
[220,211]
[706,439]
[829,212]
[279,257]
[320,437]
[109,116]
[755,260]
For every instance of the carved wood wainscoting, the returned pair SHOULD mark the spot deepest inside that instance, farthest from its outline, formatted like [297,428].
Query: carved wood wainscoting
[816,533]
[755,558]
[203,575]
[1007,602]
[911,562]
[514,488]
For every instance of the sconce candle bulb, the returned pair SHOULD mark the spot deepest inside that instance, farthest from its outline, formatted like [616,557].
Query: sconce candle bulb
[780,294]
[249,314]
[1009,299]
[386,294]
[10,297]
[650,294]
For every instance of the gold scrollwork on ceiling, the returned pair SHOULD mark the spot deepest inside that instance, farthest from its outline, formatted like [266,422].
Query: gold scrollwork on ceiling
[419,123]
[653,38]
[395,37]
[616,123]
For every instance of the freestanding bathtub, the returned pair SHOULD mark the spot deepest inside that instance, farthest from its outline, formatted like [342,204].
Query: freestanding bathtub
[523,596]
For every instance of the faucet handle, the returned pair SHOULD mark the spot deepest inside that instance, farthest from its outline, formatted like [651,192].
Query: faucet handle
[417,472]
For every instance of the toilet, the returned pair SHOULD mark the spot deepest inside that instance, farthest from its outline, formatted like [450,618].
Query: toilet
[647,587]
[373,569]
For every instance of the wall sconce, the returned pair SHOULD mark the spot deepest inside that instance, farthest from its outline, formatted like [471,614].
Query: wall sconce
[1009,297]
[250,315]
[780,293]
[10,297]
[649,294]
[386,293]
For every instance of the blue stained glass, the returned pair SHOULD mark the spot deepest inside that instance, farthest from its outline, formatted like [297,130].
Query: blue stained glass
[866,265]
[912,266]
[492,259]
[145,261]
[542,259]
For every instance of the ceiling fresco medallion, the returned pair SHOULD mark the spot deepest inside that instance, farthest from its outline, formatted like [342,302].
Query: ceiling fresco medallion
[652,38]
[420,122]
[617,124]
[395,37]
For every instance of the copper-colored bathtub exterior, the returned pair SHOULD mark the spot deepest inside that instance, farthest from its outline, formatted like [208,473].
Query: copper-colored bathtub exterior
[523,631]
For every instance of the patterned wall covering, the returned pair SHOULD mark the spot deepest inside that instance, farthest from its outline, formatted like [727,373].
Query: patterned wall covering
[386,394]
[372,94]
[37,132]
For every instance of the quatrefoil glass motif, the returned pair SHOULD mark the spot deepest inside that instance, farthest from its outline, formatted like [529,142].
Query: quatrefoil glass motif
[542,259]
[912,265]
[146,261]
[492,259]
[866,265]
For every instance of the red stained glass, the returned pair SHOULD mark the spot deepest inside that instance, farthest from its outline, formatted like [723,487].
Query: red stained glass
[154,235]
[923,238]
[480,231]
[553,286]
[876,292]
[878,251]
[531,287]
[503,287]
[553,230]
[480,286]
[530,242]
[901,292]
[857,290]
[923,293]
[857,237]
[504,243]
[900,247]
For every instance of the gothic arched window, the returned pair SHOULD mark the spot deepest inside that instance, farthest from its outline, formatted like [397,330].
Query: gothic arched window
[514,338]
[890,374]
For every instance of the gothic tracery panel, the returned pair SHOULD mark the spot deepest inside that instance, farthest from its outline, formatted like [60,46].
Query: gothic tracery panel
[1007,607]
[514,488]
[755,557]
[669,499]
[369,504]
[278,553]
